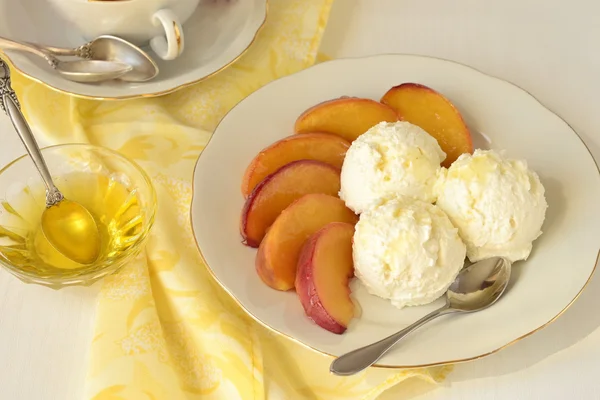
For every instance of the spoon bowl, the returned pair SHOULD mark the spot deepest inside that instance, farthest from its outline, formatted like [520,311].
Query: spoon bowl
[479,285]
[476,288]
[72,230]
[90,71]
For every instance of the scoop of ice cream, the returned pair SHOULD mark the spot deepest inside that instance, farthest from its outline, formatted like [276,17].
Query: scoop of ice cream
[407,251]
[497,204]
[390,159]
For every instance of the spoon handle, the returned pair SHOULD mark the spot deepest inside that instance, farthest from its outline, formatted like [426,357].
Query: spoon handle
[10,104]
[361,358]
[9,44]
[83,51]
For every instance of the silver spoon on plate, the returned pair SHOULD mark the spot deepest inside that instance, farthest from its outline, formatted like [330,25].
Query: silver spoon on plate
[112,48]
[85,71]
[475,288]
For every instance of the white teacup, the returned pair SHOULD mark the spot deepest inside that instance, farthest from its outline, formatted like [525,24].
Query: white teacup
[139,21]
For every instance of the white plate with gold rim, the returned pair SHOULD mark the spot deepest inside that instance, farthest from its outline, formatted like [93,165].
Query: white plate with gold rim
[216,35]
[542,288]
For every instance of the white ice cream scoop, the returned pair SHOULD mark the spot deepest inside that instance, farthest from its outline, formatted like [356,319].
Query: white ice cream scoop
[391,158]
[497,204]
[407,251]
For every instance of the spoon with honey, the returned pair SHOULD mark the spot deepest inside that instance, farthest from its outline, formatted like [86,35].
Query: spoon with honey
[67,225]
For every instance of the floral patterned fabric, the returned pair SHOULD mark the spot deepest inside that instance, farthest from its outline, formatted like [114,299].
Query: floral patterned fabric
[164,328]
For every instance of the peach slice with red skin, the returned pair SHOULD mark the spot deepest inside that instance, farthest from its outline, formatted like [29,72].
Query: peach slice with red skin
[428,109]
[277,256]
[348,117]
[330,149]
[277,191]
[325,268]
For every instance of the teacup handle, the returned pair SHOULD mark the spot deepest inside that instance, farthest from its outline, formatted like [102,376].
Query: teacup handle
[170,46]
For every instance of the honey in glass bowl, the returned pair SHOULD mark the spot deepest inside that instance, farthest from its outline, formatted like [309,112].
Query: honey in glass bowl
[116,192]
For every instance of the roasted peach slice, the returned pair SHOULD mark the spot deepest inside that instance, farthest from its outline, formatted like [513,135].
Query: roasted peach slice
[325,268]
[277,256]
[428,109]
[348,117]
[279,190]
[330,149]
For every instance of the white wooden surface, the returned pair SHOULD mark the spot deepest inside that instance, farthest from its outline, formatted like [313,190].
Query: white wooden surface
[548,47]
[44,334]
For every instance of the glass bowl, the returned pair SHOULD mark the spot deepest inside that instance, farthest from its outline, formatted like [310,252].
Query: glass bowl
[116,191]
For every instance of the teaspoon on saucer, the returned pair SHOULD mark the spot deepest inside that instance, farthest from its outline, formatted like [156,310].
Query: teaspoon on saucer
[84,71]
[112,48]
[475,288]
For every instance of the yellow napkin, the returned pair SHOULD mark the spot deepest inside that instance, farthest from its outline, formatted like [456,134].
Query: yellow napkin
[165,329]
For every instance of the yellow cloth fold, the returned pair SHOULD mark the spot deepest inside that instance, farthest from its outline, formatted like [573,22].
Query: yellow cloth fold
[165,329]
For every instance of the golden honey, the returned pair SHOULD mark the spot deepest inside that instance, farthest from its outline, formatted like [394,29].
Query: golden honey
[115,208]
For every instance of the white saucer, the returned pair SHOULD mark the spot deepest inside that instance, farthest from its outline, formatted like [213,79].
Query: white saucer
[216,35]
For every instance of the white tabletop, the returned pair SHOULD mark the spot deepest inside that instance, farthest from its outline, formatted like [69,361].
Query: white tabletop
[548,47]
